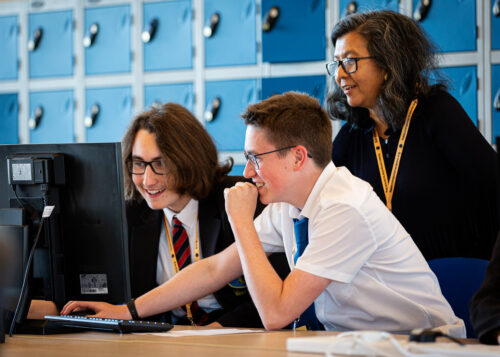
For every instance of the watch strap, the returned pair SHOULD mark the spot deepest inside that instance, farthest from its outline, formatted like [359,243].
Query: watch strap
[132,309]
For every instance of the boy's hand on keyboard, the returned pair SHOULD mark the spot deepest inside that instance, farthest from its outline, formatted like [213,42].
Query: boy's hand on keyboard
[102,309]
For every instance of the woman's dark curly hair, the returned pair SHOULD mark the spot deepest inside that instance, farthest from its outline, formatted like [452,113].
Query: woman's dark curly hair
[401,48]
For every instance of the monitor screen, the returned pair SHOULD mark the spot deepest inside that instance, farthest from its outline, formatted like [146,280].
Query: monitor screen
[82,253]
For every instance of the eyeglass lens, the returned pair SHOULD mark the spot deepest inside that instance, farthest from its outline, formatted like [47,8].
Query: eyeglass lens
[138,167]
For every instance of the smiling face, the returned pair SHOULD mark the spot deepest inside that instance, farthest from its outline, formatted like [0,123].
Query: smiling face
[271,178]
[363,86]
[154,188]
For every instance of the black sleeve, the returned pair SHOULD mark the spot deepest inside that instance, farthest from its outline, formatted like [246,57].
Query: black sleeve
[463,147]
[340,148]
[485,305]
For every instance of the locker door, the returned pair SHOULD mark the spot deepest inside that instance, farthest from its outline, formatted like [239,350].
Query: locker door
[494,12]
[180,93]
[107,39]
[8,119]
[293,30]
[349,6]
[495,100]
[8,47]
[223,121]
[451,24]
[237,170]
[315,86]
[167,35]
[229,31]
[464,88]
[108,112]
[51,117]
[50,44]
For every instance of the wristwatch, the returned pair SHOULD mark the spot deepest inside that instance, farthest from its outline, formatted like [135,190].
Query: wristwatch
[132,309]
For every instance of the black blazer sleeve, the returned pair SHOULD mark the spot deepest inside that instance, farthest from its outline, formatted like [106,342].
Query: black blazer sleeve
[485,305]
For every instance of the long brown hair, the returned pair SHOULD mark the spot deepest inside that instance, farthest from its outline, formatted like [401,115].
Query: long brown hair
[187,149]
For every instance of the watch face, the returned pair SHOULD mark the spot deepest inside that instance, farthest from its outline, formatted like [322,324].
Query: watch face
[21,172]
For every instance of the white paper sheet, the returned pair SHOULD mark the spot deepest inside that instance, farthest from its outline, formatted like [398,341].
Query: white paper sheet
[221,331]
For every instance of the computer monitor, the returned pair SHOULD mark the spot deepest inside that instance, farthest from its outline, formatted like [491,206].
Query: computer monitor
[82,253]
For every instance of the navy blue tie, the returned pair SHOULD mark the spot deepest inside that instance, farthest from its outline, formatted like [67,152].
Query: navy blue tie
[308,317]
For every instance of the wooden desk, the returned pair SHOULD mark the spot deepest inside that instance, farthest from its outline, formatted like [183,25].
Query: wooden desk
[87,344]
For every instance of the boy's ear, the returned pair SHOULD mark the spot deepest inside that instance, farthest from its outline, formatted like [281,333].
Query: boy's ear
[300,153]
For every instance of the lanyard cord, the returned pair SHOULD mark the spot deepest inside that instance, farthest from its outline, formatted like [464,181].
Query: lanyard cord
[390,184]
[176,265]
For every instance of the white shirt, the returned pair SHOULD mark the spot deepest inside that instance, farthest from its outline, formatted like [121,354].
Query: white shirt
[380,280]
[165,269]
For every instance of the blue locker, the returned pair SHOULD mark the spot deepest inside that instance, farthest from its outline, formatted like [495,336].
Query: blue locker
[293,31]
[8,119]
[107,40]
[495,100]
[167,35]
[8,47]
[451,24]
[237,170]
[349,6]
[464,88]
[50,44]
[180,93]
[229,31]
[51,117]
[315,86]
[494,12]
[108,112]
[223,122]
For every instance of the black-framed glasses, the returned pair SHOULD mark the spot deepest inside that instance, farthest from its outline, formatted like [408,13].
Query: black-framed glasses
[138,167]
[349,64]
[252,158]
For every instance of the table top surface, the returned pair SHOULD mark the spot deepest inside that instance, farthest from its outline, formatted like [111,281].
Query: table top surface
[268,343]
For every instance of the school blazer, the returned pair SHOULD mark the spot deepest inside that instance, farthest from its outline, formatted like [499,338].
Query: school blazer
[144,227]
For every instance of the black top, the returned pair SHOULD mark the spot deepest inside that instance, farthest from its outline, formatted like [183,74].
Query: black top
[445,192]
[485,305]
[215,235]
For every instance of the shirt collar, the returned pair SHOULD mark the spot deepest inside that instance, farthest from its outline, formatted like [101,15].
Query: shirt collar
[325,176]
[188,215]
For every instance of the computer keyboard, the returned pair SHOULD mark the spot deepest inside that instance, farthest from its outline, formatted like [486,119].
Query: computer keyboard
[105,324]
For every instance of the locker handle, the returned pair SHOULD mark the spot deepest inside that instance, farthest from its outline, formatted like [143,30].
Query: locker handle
[34,121]
[212,109]
[210,29]
[149,33]
[422,10]
[34,42]
[496,8]
[496,103]
[91,36]
[90,119]
[351,8]
[271,19]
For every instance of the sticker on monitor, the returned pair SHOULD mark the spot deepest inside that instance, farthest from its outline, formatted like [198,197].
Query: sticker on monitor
[93,284]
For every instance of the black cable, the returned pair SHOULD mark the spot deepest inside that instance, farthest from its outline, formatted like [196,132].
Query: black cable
[23,288]
[14,188]
[30,259]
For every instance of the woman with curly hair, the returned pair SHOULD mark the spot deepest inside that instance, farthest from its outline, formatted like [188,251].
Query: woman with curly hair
[409,138]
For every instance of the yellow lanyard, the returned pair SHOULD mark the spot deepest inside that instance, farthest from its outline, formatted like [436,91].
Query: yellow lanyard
[174,259]
[389,185]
